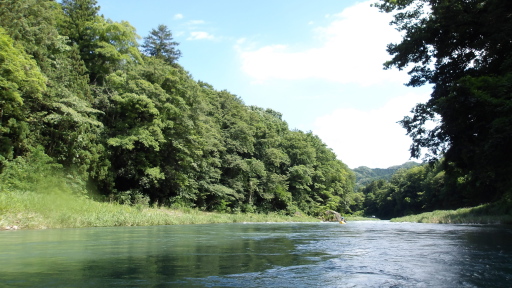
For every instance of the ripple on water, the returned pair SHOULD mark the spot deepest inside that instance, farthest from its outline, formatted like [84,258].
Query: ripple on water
[359,254]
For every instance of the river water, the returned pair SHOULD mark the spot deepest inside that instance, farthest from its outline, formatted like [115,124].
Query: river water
[358,254]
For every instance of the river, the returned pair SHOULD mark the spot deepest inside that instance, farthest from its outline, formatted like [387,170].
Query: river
[358,254]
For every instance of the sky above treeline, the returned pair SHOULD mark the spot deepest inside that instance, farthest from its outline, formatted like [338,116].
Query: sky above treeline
[319,63]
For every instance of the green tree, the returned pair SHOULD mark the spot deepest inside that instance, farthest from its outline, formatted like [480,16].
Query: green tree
[104,45]
[159,43]
[464,49]
[20,81]
[77,25]
[32,24]
[134,136]
[61,120]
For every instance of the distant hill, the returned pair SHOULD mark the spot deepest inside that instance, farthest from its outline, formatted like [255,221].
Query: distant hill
[365,175]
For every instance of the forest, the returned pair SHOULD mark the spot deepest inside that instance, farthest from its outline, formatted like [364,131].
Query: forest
[117,118]
[126,123]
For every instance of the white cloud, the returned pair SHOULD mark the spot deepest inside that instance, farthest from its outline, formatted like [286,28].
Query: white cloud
[352,50]
[196,22]
[200,35]
[178,16]
[369,138]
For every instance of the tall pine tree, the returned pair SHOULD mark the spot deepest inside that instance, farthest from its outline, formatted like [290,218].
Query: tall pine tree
[159,43]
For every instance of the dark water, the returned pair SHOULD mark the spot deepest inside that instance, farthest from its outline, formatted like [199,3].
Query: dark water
[359,254]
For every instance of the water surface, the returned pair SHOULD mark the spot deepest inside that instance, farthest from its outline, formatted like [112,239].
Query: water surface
[359,254]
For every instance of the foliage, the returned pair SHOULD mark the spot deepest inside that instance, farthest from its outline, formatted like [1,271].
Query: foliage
[29,173]
[409,191]
[62,119]
[464,49]
[20,82]
[76,24]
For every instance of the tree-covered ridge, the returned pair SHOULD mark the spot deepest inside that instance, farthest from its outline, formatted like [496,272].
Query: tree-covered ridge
[77,93]
[365,175]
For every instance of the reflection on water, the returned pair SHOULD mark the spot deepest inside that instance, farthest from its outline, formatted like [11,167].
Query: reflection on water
[359,254]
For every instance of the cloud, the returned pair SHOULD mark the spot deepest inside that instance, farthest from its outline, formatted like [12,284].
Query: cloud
[369,138]
[200,35]
[352,49]
[196,22]
[178,16]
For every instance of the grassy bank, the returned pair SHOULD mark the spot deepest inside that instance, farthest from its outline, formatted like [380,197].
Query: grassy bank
[28,210]
[495,213]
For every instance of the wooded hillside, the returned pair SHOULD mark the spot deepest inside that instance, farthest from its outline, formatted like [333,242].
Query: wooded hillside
[80,97]
[365,175]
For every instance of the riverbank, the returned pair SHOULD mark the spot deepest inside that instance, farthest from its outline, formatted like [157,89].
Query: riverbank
[494,213]
[26,210]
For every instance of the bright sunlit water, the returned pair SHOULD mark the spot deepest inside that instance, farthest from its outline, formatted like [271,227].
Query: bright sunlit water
[358,254]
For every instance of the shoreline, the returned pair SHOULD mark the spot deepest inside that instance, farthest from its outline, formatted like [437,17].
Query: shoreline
[39,211]
[493,213]
[29,210]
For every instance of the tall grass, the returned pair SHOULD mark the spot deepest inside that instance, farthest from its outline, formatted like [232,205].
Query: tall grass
[29,210]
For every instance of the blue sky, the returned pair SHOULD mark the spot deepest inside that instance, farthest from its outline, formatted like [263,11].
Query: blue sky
[317,62]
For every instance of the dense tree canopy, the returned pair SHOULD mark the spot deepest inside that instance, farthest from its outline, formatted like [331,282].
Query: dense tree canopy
[20,81]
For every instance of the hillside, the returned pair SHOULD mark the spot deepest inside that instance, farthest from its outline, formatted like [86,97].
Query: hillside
[365,175]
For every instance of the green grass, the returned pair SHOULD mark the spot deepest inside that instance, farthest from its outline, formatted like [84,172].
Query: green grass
[29,210]
[494,213]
